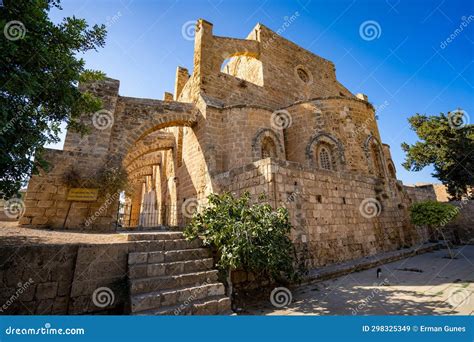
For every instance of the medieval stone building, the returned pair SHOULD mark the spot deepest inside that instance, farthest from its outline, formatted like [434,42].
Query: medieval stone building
[259,114]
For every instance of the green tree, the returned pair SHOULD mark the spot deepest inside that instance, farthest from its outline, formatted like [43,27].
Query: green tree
[250,237]
[447,143]
[435,215]
[39,74]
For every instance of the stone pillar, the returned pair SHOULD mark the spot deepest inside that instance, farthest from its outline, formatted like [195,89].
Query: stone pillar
[182,76]
[158,192]
[203,52]
[136,201]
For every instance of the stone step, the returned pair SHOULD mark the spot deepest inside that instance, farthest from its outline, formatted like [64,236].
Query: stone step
[169,268]
[169,256]
[173,297]
[166,245]
[143,285]
[155,236]
[206,306]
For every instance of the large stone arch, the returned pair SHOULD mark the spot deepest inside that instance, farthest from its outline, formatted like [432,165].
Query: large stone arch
[137,118]
[337,149]
[147,146]
[138,140]
[154,158]
[142,172]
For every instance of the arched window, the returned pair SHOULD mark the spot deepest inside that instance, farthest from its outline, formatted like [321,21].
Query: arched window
[325,152]
[266,144]
[378,167]
[245,68]
[325,158]
[269,149]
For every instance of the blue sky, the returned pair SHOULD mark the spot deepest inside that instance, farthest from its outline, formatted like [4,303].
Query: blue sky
[407,68]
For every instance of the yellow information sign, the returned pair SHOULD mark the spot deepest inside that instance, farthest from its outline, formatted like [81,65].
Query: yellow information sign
[82,194]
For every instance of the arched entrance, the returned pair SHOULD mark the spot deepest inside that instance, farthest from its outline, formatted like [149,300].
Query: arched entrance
[151,197]
[150,154]
[139,137]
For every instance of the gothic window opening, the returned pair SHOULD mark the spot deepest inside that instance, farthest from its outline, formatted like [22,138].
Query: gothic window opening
[378,168]
[268,148]
[324,159]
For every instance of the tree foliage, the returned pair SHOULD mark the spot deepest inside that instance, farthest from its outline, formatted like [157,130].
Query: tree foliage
[432,213]
[252,237]
[447,143]
[39,75]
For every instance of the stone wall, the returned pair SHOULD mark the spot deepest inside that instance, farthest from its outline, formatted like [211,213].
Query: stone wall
[462,227]
[61,279]
[46,198]
[223,123]
[331,212]
[421,192]
[282,61]
[348,122]
[36,279]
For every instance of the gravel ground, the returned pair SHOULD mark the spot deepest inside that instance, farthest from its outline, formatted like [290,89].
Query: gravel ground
[13,235]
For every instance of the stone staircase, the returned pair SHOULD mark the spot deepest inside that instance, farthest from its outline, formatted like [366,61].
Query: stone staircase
[176,278]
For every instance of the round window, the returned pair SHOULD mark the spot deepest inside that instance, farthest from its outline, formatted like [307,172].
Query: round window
[303,75]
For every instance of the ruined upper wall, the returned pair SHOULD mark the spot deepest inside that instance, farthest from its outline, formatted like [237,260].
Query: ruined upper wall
[278,72]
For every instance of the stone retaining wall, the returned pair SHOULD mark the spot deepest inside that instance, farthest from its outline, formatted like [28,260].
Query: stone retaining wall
[61,279]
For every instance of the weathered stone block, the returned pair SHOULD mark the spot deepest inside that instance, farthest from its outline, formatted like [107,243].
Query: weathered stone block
[46,290]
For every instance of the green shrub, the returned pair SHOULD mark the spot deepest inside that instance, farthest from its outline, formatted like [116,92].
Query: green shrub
[250,237]
[435,215]
[432,213]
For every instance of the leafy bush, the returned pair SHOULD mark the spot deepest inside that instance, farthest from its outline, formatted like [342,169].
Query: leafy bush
[435,215]
[432,213]
[251,237]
